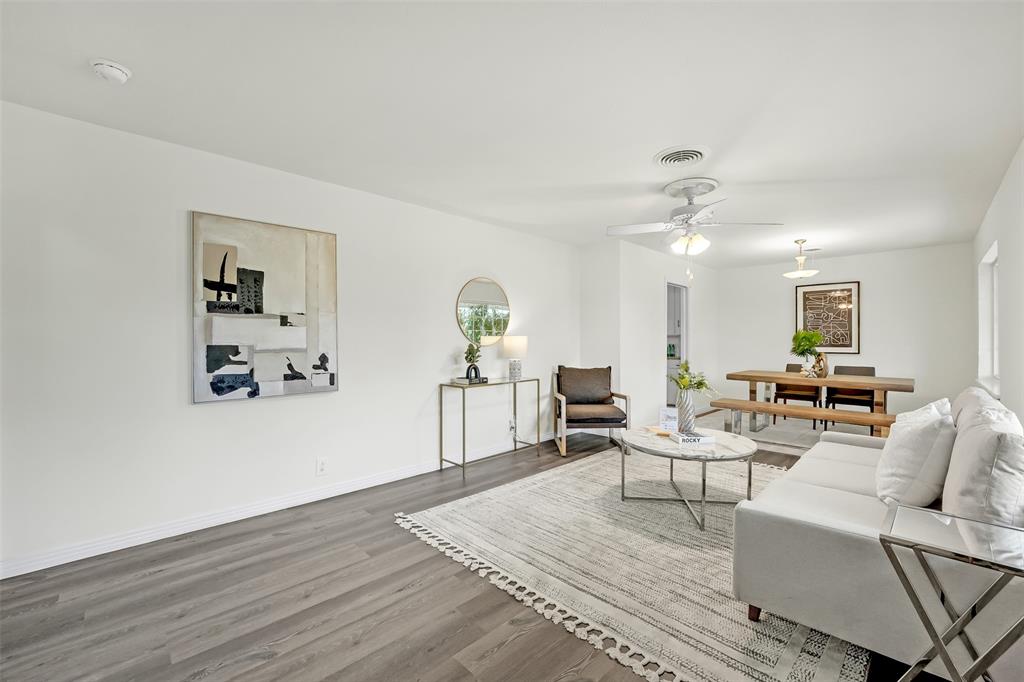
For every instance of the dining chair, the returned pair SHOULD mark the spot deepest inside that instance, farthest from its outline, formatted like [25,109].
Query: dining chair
[789,392]
[851,396]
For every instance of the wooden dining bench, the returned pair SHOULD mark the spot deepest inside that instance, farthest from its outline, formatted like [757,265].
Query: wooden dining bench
[879,422]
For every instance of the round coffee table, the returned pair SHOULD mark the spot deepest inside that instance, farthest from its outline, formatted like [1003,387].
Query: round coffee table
[728,447]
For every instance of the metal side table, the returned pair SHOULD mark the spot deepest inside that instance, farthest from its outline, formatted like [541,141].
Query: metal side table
[1000,548]
[516,442]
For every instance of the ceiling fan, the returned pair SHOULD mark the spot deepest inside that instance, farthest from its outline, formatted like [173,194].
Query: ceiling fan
[684,221]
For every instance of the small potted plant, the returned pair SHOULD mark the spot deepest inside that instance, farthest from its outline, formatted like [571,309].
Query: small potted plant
[472,357]
[805,345]
[688,382]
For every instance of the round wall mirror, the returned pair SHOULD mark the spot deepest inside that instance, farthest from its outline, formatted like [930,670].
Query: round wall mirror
[482,311]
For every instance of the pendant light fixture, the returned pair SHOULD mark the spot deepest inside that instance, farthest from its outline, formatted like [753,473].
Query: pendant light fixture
[801,271]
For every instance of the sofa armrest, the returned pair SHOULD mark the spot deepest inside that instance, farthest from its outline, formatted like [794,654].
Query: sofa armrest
[852,439]
[623,396]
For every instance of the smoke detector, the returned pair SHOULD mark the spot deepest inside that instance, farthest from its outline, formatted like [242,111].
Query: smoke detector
[111,71]
[675,157]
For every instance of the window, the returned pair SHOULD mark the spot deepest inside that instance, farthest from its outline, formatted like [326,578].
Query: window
[988,319]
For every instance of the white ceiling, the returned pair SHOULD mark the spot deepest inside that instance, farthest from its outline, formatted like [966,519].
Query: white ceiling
[861,126]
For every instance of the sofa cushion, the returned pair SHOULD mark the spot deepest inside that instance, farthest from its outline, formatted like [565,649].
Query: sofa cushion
[597,414]
[823,506]
[915,458]
[986,472]
[839,475]
[841,452]
[585,386]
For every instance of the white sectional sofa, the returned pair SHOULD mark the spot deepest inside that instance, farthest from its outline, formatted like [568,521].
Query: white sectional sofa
[807,549]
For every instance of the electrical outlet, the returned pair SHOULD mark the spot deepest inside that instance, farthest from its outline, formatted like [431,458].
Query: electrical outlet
[321,466]
[511,426]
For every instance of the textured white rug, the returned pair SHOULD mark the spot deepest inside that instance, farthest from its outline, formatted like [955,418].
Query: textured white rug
[637,579]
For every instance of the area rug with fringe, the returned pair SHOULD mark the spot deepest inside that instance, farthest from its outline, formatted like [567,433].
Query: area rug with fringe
[636,579]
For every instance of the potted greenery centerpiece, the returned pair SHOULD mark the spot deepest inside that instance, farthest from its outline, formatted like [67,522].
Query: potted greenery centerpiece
[472,356]
[688,382]
[805,345]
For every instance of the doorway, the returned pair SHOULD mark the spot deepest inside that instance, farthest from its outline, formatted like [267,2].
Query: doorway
[677,337]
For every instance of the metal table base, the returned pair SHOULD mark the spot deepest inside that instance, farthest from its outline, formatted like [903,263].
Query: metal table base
[516,440]
[680,497]
[959,621]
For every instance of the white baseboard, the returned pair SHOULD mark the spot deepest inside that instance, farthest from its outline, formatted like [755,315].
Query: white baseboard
[63,555]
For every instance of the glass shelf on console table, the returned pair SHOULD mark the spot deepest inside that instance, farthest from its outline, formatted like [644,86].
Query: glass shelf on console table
[502,381]
[988,545]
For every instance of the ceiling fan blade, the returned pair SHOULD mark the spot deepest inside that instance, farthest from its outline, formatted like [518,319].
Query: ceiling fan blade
[731,223]
[645,228]
[673,235]
[705,210]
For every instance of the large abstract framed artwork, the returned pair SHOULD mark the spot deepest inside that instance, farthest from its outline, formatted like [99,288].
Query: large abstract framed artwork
[264,309]
[834,310]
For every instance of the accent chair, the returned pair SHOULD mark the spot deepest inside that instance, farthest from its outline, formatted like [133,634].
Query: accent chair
[787,392]
[583,399]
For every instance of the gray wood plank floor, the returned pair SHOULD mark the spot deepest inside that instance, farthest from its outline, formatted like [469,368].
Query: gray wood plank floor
[332,590]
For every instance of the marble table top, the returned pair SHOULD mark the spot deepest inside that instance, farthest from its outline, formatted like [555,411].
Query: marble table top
[727,446]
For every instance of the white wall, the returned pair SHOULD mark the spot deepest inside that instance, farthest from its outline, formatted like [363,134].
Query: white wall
[1004,222]
[101,445]
[623,319]
[917,318]
[645,277]
[600,285]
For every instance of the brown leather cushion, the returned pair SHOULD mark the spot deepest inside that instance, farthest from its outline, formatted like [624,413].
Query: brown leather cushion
[859,394]
[585,386]
[596,414]
[794,389]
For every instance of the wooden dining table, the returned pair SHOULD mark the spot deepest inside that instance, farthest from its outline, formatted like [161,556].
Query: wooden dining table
[880,386]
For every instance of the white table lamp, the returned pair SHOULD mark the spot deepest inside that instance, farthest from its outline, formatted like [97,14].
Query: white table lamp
[514,349]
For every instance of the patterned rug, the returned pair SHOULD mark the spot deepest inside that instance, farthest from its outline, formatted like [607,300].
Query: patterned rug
[636,579]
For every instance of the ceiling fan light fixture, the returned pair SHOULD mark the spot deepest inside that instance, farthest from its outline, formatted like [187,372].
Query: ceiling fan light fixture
[690,244]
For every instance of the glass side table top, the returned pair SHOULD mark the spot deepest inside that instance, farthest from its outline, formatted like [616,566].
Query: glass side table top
[967,540]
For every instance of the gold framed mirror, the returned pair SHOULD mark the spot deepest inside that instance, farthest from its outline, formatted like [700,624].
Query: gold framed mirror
[482,311]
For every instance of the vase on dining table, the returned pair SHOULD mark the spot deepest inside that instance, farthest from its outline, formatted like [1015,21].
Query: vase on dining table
[685,414]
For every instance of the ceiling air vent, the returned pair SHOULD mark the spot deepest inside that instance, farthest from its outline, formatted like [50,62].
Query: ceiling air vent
[674,157]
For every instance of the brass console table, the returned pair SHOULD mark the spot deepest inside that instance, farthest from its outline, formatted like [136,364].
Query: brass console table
[515,417]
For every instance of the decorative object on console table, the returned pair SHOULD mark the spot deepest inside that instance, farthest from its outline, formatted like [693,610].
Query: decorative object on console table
[834,310]
[264,309]
[513,348]
[687,382]
[805,345]
[472,355]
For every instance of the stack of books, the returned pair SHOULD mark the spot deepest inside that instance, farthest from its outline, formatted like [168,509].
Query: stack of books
[692,438]
[464,380]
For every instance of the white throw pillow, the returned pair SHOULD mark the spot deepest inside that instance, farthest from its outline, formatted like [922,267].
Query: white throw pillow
[914,460]
[986,472]
[933,410]
[971,399]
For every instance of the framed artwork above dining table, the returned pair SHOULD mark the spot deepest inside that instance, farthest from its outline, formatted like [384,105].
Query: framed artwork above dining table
[834,310]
